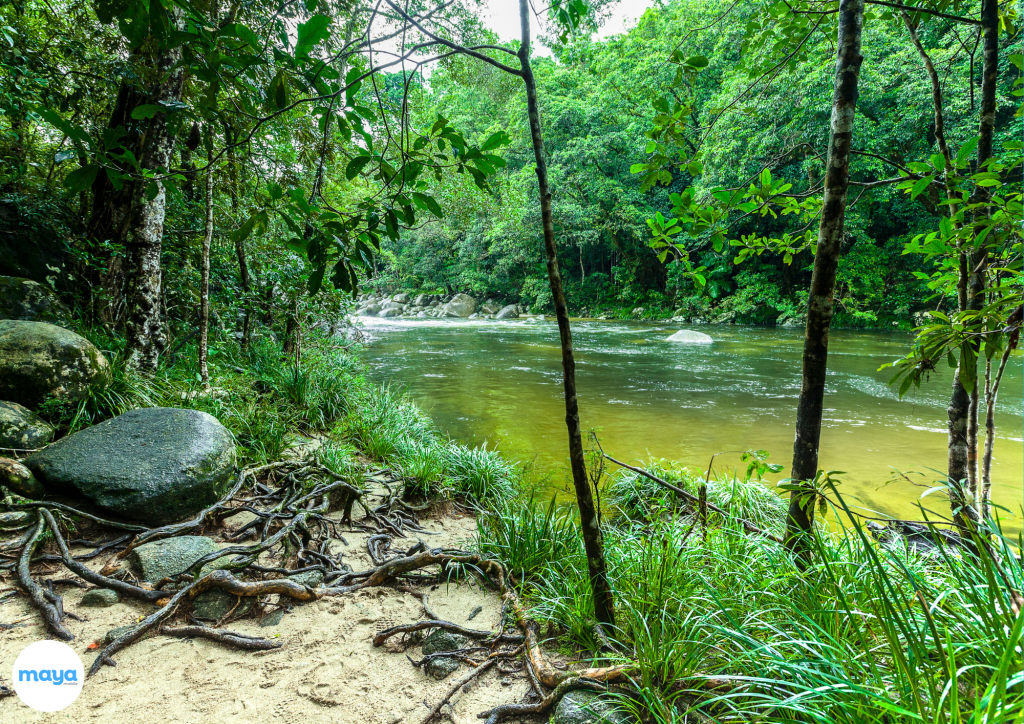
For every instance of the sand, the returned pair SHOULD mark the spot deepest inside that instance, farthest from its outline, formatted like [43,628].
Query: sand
[327,670]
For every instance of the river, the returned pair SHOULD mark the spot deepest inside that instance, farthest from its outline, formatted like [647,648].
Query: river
[500,382]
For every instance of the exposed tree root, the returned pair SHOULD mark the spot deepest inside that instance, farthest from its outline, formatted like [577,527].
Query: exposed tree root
[507,638]
[468,677]
[506,710]
[231,638]
[48,604]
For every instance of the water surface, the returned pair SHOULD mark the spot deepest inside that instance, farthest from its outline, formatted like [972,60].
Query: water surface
[500,382]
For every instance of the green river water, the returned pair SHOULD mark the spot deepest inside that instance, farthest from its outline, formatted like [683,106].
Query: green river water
[500,382]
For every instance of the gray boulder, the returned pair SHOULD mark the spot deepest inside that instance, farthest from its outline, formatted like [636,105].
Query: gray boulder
[490,307]
[371,310]
[171,556]
[20,479]
[799,320]
[507,312]
[100,598]
[157,465]
[310,579]
[461,305]
[441,641]
[40,361]
[423,300]
[688,336]
[390,312]
[587,707]
[400,298]
[434,303]
[441,667]
[30,301]
[22,429]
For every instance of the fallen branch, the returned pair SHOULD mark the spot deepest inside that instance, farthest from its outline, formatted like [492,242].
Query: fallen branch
[747,525]
[383,636]
[468,677]
[506,710]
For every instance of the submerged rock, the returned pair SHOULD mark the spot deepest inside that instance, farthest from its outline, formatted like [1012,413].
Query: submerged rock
[687,336]
[22,429]
[587,707]
[40,361]
[30,301]
[157,465]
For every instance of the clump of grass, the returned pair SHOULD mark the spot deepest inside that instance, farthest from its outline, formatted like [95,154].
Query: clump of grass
[479,474]
[422,467]
[531,539]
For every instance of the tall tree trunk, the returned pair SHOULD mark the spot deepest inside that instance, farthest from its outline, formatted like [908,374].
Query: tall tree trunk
[991,394]
[145,334]
[604,608]
[800,520]
[962,470]
[240,251]
[204,276]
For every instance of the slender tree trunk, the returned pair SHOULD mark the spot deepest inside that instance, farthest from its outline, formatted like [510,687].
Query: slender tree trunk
[985,493]
[204,276]
[604,608]
[962,463]
[800,519]
[145,334]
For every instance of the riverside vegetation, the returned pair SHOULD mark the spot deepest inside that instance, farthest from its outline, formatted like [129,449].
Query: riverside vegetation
[202,189]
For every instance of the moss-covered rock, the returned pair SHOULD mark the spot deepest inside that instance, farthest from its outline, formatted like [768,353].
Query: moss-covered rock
[40,361]
[171,556]
[19,479]
[587,707]
[22,429]
[156,465]
[30,301]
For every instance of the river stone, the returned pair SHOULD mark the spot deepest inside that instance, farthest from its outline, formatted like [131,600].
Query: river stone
[40,360]
[215,605]
[273,618]
[587,707]
[490,307]
[30,301]
[390,312]
[400,298]
[687,336]
[441,641]
[441,667]
[371,310]
[100,598]
[311,579]
[20,479]
[461,305]
[157,465]
[423,300]
[170,556]
[22,429]
[506,312]
[798,321]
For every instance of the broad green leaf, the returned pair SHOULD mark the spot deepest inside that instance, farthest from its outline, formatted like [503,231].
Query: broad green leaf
[81,178]
[145,111]
[356,165]
[311,32]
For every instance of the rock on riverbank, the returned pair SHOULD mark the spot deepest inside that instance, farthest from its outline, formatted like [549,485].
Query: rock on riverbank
[156,465]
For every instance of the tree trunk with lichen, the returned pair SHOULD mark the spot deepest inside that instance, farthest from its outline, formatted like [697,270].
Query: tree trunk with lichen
[144,244]
[593,543]
[204,278]
[800,520]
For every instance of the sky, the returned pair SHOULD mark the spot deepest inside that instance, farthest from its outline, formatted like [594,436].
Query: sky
[502,16]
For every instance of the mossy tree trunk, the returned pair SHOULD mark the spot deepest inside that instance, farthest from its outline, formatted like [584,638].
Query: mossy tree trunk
[800,520]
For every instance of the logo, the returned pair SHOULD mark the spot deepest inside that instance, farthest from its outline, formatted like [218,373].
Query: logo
[48,675]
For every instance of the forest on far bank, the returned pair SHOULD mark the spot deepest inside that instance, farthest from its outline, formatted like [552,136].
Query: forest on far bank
[601,99]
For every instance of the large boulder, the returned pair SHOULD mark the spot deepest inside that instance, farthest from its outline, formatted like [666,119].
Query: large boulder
[156,465]
[423,300]
[461,305]
[30,301]
[391,312]
[22,429]
[490,307]
[371,310]
[507,312]
[400,298]
[40,361]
